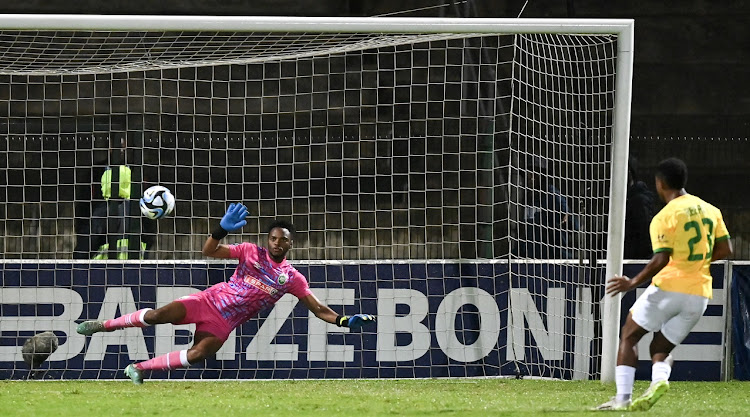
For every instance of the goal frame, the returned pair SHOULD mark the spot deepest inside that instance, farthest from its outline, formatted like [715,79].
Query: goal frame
[622,28]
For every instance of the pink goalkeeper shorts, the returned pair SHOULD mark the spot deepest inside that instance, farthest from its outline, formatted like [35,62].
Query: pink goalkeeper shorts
[201,311]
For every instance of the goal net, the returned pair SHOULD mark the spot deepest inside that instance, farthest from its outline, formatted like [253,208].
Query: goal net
[461,179]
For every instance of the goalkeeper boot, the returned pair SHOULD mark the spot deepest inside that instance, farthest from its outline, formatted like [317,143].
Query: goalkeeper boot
[613,405]
[90,327]
[135,374]
[650,397]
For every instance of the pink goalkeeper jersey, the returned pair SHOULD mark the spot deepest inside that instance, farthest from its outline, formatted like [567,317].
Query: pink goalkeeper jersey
[257,284]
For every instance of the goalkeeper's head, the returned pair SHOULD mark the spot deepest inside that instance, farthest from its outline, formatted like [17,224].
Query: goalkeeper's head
[280,239]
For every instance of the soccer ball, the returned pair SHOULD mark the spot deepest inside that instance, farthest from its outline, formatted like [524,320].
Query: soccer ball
[157,202]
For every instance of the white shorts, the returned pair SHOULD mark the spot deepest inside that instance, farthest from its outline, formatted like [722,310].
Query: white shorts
[673,313]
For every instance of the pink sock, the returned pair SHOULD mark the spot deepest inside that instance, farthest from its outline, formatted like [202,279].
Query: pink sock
[172,360]
[127,320]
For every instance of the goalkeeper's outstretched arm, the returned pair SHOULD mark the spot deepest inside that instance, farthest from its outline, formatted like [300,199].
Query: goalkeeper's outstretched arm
[325,313]
[233,220]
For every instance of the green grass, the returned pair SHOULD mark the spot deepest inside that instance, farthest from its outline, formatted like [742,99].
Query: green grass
[445,397]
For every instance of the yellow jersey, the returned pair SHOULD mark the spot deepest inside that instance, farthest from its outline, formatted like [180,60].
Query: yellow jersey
[687,227]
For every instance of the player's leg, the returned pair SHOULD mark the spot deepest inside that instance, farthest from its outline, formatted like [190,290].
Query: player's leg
[627,359]
[689,309]
[630,334]
[644,317]
[205,344]
[173,312]
[661,358]
[211,330]
[661,368]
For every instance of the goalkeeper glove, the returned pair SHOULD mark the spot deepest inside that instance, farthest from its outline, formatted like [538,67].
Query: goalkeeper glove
[234,219]
[356,321]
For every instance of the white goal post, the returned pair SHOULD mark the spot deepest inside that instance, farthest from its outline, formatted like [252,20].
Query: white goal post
[282,39]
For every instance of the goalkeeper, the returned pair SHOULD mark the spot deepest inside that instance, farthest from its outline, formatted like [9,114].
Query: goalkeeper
[262,277]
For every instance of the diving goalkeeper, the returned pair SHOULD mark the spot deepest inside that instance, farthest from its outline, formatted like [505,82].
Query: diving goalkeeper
[262,277]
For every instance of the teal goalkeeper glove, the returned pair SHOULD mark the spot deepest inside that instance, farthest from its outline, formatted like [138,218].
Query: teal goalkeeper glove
[356,321]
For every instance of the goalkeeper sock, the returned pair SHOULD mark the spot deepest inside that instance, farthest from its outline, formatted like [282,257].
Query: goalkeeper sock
[660,371]
[624,378]
[127,320]
[172,360]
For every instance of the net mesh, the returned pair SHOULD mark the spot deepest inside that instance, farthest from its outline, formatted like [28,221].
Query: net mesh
[430,178]
[560,155]
[375,154]
[87,52]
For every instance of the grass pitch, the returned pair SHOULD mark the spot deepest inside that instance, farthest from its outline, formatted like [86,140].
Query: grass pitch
[445,397]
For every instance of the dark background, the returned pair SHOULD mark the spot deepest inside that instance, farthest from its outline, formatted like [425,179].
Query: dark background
[691,97]
[690,75]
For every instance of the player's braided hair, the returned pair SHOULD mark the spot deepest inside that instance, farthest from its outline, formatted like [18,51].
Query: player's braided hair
[284,225]
[673,172]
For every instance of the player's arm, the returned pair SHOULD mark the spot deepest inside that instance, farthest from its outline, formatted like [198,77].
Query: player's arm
[325,313]
[215,249]
[621,283]
[722,245]
[662,233]
[233,220]
[722,249]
